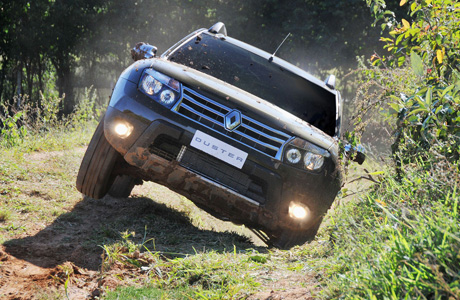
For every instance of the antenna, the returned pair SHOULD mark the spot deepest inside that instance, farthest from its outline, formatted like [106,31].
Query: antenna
[273,55]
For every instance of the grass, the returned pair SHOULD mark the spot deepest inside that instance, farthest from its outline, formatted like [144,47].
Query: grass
[147,293]
[36,183]
[5,215]
[398,240]
[206,275]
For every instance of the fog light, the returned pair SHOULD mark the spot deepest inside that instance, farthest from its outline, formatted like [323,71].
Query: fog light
[298,211]
[293,155]
[167,97]
[123,130]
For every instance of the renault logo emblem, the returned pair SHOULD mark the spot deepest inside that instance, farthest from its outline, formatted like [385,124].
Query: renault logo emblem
[232,120]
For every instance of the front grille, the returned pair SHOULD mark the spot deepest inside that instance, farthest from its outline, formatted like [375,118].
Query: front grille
[250,132]
[226,175]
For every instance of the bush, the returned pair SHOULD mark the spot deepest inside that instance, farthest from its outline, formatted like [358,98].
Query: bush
[400,241]
[18,122]
[428,114]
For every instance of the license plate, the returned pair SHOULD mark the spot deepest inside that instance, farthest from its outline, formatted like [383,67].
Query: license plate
[219,149]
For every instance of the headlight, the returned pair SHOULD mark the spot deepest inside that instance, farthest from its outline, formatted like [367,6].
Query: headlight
[305,155]
[160,87]
[313,161]
[150,85]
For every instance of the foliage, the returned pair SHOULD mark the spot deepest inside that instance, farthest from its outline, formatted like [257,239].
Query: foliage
[83,43]
[12,132]
[413,251]
[87,109]
[18,124]
[401,240]
[428,111]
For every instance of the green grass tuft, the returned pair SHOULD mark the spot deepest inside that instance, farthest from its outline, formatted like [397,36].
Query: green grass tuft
[5,215]
[397,242]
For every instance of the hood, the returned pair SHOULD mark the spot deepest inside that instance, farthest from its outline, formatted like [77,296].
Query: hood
[279,117]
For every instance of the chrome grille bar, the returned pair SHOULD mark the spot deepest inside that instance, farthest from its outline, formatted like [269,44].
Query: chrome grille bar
[287,136]
[201,115]
[250,132]
[210,109]
[256,141]
[262,134]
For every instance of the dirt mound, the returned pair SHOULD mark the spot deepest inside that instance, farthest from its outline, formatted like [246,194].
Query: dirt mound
[20,279]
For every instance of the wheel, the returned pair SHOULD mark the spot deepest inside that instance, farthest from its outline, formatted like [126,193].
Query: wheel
[286,239]
[95,175]
[122,186]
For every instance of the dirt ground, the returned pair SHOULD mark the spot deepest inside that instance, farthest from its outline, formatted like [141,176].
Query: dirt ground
[36,265]
[37,262]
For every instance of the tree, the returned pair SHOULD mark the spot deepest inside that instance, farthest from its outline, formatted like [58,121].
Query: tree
[87,42]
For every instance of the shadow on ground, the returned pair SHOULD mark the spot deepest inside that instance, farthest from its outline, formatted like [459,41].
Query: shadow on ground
[77,236]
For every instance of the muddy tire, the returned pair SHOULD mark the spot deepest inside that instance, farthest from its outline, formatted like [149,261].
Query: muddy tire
[122,186]
[95,176]
[286,239]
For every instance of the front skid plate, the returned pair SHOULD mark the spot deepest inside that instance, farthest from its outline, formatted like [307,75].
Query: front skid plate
[221,201]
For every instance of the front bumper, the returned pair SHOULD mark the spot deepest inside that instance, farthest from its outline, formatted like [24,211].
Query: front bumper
[258,195]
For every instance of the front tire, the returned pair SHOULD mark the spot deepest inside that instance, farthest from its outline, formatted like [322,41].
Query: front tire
[95,175]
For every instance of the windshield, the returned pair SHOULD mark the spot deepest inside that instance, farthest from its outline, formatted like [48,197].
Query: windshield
[256,75]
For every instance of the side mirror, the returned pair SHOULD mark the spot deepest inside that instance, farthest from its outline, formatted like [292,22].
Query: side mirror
[143,51]
[355,153]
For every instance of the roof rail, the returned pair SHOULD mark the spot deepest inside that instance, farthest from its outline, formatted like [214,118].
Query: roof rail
[219,27]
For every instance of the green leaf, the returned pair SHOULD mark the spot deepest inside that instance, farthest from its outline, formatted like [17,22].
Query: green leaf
[421,102]
[415,111]
[447,89]
[439,56]
[376,173]
[417,64]
[258,258]
[429,96]
[406,24]
[426,122]
[400,37]
[397,107]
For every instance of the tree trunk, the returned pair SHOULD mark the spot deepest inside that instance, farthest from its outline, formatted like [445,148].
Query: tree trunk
[29,78]
[64,84]
[65,89]
[19,84]
[40,80]
[2,78]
